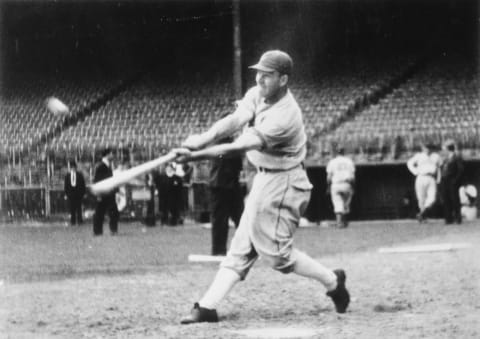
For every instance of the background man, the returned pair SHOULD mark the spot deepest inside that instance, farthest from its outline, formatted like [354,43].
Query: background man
[340,180]
[226,197]
[276,145]
[74,186]
[425,165]
[105,203]
[452,171]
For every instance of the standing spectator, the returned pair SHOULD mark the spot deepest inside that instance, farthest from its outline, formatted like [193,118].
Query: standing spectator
[340,180]
[74,191]
[226,198]
[425,166]
[105,203]
[150,213]
[161,187]
[452,171]
[169,188]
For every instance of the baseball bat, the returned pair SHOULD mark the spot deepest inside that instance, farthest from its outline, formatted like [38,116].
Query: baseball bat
[109,184]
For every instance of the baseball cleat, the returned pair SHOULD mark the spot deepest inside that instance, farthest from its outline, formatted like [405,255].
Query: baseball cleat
[340,295]
[420,217]
[200,314]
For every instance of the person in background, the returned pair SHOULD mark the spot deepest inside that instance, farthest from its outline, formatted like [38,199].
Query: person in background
[160,179]
[452,171]
[150,210]
[468,200]
[105,203]
[74,187]
[340,180]
[425,166]
[226,197]
[170,190]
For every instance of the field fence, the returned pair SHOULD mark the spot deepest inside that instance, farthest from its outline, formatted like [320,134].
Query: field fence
[37,202]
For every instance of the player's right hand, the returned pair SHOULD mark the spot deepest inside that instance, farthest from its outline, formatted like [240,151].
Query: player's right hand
[182,154]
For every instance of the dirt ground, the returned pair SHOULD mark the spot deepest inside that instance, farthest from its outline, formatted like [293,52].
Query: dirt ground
[59,282]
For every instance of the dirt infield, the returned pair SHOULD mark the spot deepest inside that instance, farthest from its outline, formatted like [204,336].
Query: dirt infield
[59,282]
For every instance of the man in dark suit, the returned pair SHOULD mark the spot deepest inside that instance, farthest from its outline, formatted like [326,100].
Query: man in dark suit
[105,203]
[74,191]
[172,195]
[226,198]
[452,171]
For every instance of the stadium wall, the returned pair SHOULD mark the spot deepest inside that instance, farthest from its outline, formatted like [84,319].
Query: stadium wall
[382,191]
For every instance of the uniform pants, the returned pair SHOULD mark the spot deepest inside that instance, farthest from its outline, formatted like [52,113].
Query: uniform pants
[272,213]
[426,191]
[225,203]
[105,205]
[341,194]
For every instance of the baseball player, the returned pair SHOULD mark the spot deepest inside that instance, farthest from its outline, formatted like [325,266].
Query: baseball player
[425,165]
[340,180]
[274,140]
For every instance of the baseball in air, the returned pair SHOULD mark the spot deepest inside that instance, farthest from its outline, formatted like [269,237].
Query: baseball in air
[56,107]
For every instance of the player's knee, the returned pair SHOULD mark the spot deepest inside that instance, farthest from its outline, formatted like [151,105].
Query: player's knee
[285,270]
[282,264]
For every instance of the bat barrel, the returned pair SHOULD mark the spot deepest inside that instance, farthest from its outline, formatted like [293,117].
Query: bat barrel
[109,184]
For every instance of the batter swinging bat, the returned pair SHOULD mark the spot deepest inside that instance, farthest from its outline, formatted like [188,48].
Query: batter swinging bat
[123,177]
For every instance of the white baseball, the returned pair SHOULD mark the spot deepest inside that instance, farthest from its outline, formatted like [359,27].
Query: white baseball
[56,107]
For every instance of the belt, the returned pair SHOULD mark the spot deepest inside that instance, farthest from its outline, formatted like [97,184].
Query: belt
[428,175]
[276,170]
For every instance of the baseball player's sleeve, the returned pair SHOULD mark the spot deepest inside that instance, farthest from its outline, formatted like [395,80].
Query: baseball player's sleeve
[352,168]
[412,165]
[271,135]
[329,168]
[246,106]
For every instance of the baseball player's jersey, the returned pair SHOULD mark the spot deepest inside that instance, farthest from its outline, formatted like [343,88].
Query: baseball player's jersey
[424,164]
[280,126]
[341,169]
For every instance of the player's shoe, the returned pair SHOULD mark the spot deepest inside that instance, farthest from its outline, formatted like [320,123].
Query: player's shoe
[420,217]
[200,314]
[340,295]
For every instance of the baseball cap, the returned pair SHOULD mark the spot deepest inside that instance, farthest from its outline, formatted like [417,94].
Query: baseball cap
[274,60]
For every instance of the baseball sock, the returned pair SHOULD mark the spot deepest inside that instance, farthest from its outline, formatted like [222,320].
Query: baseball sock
[221,285]
[310,268]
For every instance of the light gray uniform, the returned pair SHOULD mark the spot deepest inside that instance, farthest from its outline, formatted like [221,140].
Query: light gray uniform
[280,190]
[341,171]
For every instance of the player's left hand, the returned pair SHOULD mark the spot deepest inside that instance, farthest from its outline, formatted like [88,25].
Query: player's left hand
[182,154]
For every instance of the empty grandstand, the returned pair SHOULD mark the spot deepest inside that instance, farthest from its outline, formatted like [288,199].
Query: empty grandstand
[379,77]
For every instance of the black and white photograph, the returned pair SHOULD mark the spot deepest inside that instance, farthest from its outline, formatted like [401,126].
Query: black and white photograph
[239,169]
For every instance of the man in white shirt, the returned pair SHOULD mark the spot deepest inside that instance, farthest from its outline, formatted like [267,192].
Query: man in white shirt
[340,179]
[425,165]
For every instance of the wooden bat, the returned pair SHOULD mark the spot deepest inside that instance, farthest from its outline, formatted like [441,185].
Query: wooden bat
[109,184]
